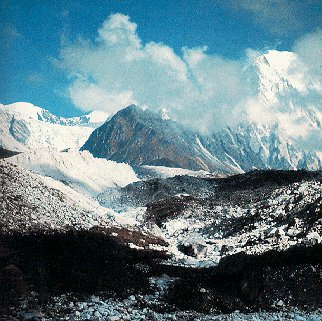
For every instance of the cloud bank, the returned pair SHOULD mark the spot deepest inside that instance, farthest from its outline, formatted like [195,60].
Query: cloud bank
[117,69]
[200,89]
[290,91]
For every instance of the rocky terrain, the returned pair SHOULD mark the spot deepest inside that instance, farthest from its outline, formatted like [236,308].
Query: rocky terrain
[140,137]
[71,307]
[249,242]
[205,219]
[28,203]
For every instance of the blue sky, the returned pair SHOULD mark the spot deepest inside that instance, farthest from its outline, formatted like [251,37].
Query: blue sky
[38,39]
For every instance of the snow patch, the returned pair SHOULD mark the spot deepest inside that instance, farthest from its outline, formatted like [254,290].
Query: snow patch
[78,170]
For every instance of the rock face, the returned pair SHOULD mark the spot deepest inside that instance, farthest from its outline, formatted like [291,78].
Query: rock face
[142,137]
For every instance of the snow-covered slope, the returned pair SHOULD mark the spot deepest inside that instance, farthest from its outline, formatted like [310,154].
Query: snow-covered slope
[24,126]
[78,170]
[205,219]
[289,97]
[29,202]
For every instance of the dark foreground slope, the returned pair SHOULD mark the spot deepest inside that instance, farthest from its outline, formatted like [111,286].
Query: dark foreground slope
[253,273]
[88,263]
[79,261]
[5,153]
[269,281]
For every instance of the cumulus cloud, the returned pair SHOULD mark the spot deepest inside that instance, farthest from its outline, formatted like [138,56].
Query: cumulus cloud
[118,69]
[197,88]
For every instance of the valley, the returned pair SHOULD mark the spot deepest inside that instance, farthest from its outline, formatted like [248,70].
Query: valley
[135,216]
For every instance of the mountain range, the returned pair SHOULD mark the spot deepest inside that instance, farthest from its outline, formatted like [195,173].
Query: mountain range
[142,137]
[24,126]
[145,138]
[159,218]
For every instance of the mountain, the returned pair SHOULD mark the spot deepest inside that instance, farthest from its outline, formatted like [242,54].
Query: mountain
[284,113]
[285,85]
[24,126]
[288,94]
[142,137]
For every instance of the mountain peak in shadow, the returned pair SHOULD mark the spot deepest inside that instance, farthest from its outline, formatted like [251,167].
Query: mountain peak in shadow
[142,137]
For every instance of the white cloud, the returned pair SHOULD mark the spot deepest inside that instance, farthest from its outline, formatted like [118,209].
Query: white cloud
[197,88]
[89,96]
[309,49]
[117,69]
[118,30]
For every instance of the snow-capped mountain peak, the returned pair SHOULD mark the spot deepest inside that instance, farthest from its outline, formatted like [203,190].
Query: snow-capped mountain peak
[278,72]
[24,126]
[283,72]
[23,110]
[287,97]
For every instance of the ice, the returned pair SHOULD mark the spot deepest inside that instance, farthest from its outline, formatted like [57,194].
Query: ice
[24,126]
[79,170]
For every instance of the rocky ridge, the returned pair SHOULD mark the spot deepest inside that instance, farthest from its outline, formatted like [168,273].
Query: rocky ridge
[140,137]
[259,233]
